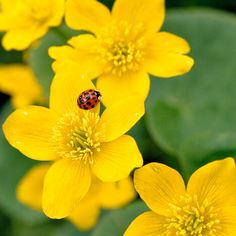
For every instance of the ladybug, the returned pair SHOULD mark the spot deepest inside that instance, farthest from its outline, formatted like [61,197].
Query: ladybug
[88,99]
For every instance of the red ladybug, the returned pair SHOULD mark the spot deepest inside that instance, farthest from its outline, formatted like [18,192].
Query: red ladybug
[88,99]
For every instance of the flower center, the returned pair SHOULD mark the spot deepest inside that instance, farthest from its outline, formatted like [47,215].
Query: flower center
[121,47]
[75,136]
[188,218]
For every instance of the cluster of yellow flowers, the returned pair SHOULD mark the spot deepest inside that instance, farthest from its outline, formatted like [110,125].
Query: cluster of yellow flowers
[89,156]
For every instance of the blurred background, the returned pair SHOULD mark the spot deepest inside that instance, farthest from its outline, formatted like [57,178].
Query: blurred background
[189,121]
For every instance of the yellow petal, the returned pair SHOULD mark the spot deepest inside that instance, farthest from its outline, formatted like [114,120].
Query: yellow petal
[158,185]
[117,159]
[88,15]
[21,39]
[215,182]
[3,22]
[85,216]
[66,87]
[30,189]
[11,79]
[168,64]
[85,57]
[149,13]
[228,220]
[120,87]
[65,184]
[5,18]
[167,42]
[147,224]
[164,55]
[120,117]
[80,56]
[58,8]
[21,101]
[30,130]
[117,194]
[61,54]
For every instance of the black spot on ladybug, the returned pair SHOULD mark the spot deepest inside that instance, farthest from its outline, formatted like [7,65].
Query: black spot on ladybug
[88,99]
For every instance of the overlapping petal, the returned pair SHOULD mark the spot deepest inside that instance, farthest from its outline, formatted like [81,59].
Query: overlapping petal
[66,183]
[117,159]
[150,14]
[30,130]
[88,15]
[158,185]
[62,55]
[85,54]
[80,56]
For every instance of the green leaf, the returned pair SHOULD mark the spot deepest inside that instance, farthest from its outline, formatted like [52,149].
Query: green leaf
[50,228]
[13,165]
[116,222]
[5,224]
[140,134]
[193,117]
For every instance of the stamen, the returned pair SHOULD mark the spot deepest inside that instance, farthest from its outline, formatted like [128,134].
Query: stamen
[188,217]
[121,47]
[75,136]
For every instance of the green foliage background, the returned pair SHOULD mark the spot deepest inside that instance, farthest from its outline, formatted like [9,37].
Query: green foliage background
[189,121]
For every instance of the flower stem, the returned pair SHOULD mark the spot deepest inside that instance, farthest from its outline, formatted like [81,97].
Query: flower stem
[61,33]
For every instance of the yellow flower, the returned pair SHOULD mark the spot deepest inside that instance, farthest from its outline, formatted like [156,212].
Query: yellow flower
[19,82]
[25,21]
[80,141]
[107,195]
[207,207]
[125,46]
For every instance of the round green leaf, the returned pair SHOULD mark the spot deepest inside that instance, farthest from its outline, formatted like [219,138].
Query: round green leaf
[193,116]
